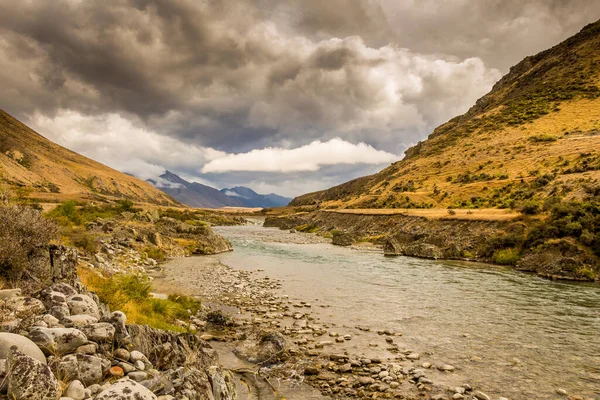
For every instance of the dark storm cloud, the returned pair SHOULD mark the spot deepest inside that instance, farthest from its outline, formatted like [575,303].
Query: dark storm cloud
[234,76]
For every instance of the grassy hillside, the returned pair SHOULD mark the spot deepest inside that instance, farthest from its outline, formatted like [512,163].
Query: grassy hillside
[34,167]
[536,135]
[531,145]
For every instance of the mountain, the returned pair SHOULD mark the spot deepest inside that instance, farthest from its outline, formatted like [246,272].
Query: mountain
[534,136]
[252,199]
[34,166]
[198,195]
[194,194]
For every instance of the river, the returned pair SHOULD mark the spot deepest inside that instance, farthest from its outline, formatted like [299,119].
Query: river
[514,334]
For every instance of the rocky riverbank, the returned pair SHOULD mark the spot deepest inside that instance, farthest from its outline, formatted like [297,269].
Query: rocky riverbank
[63,342]
[489,241]
[290,346]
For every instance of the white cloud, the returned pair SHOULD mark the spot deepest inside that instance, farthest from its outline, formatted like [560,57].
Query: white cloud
[116,141]
[307,158]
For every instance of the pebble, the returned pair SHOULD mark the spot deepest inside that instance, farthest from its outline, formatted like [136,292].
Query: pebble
[116,372]
[481,396]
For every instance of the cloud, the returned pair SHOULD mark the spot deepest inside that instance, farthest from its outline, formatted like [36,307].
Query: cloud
[118,142]
[306,158]
[145,85]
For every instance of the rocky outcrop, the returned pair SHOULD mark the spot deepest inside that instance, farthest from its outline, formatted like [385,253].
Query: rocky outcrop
[72,338]
[203,239]
[189,359]
[449,239]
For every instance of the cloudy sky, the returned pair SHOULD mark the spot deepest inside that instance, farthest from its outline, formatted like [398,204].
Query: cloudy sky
[281,96]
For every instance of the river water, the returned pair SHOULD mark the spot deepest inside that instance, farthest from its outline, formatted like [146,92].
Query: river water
[511,334]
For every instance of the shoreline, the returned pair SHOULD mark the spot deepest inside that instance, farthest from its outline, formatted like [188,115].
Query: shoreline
[337,361]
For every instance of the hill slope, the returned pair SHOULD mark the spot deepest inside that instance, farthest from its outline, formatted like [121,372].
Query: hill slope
[48,172]
[535,135]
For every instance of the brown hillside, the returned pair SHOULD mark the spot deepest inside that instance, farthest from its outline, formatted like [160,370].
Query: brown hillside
[535,135]
[50,173]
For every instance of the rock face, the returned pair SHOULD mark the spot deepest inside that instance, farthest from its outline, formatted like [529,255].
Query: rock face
[29,379]
[203,376]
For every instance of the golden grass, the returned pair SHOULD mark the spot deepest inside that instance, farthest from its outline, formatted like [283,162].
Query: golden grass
[488,214]
[508,151]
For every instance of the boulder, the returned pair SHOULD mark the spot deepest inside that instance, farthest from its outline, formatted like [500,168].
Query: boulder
[79,321]
[57,340]
[102,332]
[23,344]
[126,389]
[83,304]
[52,298]
[25,305]
[75,390]
[86,368]
[8,294]
[118,319]
[29,379]
[63,288]
[261,346]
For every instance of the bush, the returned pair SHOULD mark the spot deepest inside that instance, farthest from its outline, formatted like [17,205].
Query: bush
[530,207]
[155,253]
[84,241]
[22,231]
[506,257]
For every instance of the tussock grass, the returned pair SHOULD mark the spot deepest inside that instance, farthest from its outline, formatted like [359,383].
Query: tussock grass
[131,294]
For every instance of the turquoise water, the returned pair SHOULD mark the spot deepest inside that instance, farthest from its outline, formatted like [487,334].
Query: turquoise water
[516,335]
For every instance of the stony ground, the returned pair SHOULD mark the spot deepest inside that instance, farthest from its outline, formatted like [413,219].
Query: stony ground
[288,343]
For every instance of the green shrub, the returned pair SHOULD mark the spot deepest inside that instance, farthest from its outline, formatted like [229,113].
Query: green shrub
[84,240]
[155,253]
[530,207]
[506,257]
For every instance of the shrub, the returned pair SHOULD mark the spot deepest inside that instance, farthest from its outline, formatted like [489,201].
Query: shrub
[83,240]
[530,207]
[155,253]
[506,257]
[22,231]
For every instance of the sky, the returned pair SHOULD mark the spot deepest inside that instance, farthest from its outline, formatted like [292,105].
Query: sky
[280,96]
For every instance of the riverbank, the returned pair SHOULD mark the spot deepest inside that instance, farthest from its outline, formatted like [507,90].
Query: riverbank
[511,334]
[503,238]
[339,361]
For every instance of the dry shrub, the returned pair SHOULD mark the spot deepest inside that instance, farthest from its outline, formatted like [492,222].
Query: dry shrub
[22,231]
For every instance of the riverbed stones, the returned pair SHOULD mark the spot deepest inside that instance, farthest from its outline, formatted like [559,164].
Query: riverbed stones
[29,379]
[57,340]
[126,389]
[23,344]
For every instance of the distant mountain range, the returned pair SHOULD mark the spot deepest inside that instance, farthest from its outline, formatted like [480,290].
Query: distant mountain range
[195,194]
